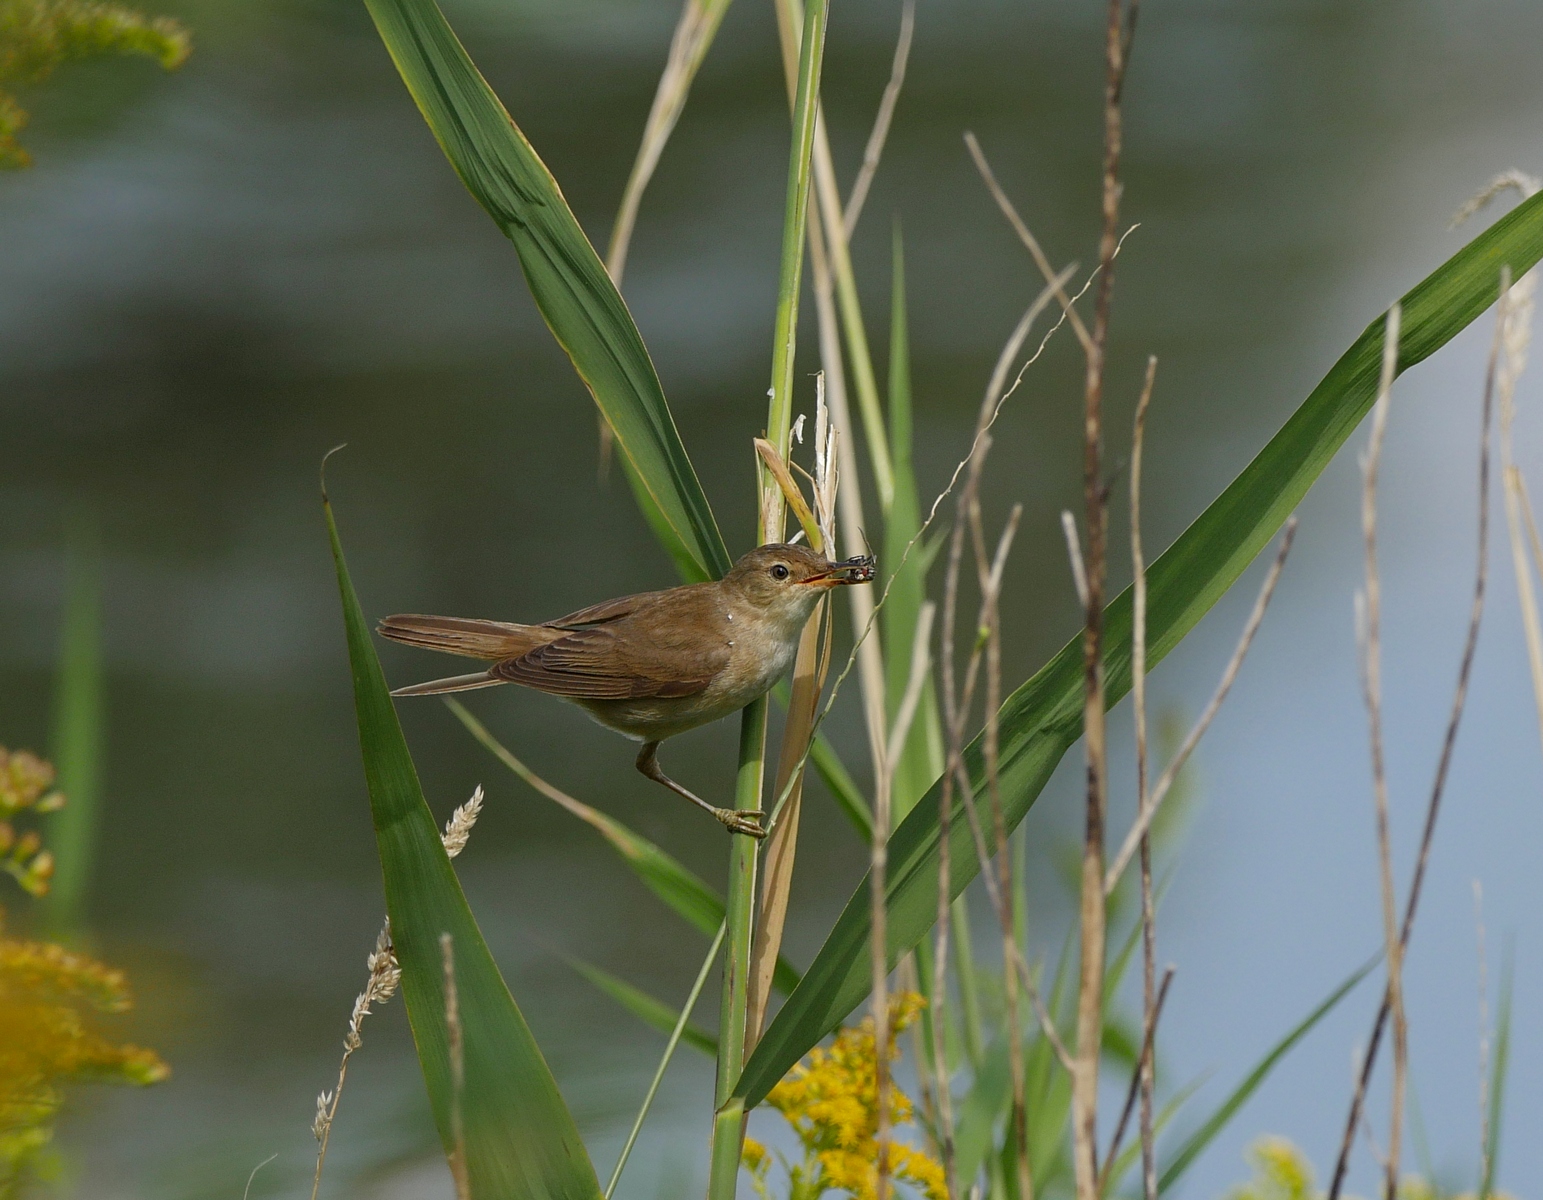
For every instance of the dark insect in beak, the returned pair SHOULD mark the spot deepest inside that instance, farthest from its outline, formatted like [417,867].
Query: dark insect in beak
[852,570]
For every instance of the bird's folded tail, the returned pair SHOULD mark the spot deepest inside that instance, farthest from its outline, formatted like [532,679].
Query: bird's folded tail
[490,640]
[455,683]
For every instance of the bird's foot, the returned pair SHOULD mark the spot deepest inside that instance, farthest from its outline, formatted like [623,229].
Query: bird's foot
[747,821]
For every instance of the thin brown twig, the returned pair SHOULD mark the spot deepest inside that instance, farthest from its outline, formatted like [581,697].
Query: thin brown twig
[1026,236]
[1138,1076]
[1150,1000]
[1165,782]
[1449,742]
[1092,914]
[874,150]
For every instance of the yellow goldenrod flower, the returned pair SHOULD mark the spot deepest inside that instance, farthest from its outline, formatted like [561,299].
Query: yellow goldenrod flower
[831,1101]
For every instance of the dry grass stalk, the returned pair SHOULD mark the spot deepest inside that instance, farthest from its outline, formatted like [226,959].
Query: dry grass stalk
[874,150]
[921,665]
[1151,999]
[1448,745]
[699,21]
[809,671]
[1369,634]
[457,1070]
[1092,917]
[1138,1078]
[1165,781]
[1515,335]
[385,974]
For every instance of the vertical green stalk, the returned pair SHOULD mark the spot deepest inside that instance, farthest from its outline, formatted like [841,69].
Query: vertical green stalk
[728,1125]
[779,415]
[739,915]
[77,735]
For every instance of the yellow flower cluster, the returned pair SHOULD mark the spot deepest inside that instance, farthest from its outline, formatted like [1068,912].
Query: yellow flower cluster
[831,1102]
[47,1042]
[26,782]
[36,36]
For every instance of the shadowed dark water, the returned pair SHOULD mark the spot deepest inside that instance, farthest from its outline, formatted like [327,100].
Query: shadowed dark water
[211,279]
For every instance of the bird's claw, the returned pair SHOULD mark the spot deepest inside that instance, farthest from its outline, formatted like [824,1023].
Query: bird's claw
[747,821]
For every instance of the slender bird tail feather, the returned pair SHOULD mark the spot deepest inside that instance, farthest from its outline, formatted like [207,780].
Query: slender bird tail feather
[489,640]
[455,683]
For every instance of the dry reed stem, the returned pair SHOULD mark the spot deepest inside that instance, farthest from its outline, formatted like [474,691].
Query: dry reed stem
[1151,999]
[874,150]
[809,670]
[1036,252]
[1449,742]
[699,20]
[457,1070]
[1092,915]
[1369,631]
[1164,784]
[1138,1077]
[384,977]
[877,872]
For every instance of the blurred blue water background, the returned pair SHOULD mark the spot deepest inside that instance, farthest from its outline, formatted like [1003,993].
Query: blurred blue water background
[210,279]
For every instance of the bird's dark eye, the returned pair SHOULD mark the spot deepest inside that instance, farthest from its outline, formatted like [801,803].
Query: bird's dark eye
[779,571]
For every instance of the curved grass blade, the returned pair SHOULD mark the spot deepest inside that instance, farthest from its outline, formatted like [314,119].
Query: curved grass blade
[1043,718]
[1196,1143]
[661,873]
[571,287]
[520,1140]
[78,720]
[654,1013]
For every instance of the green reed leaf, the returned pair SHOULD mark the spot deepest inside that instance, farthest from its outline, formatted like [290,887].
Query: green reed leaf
[79,719]
[653,1013]
[1043,718]
[1227,1109]
[520,1140]
[567,279]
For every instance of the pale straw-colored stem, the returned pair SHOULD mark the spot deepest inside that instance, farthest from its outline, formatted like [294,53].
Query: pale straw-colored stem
[1144,1080]
[878,864]
[1449,742]
[457,1040]
[1369,613]
[874,150]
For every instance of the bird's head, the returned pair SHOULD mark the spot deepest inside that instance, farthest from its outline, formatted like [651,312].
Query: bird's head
[784,581]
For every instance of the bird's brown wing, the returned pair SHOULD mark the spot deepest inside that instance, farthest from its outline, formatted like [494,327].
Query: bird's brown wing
[605,612]
[603,662]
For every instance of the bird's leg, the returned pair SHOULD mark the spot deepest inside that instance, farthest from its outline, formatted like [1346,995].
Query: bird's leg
[737,822]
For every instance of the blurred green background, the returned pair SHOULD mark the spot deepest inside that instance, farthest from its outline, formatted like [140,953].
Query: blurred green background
[211,278]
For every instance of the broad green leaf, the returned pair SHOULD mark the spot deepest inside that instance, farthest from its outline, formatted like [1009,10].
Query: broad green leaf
[666,876]
[1043,718]
[521,1143]
[1196,1143]
[570,285]
[652,1012]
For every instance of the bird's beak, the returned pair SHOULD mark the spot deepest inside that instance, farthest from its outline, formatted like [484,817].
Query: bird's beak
[852,570]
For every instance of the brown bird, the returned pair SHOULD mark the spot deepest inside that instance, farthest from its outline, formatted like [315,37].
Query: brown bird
[656,664]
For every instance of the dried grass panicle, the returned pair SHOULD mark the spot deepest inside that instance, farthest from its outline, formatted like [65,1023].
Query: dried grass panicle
[385,975]
[458,827]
